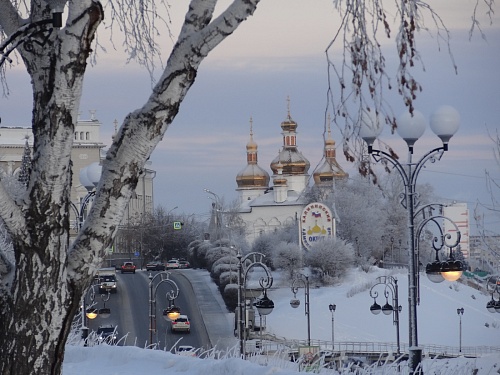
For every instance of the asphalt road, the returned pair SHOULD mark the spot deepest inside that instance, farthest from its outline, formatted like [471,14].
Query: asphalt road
[130,311]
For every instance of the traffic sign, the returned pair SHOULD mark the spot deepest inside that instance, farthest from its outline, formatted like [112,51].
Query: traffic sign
[177,225]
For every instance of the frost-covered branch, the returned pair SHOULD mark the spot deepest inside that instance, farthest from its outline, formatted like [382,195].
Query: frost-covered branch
[475,22]
[139,23]
[144,128]
[360,79]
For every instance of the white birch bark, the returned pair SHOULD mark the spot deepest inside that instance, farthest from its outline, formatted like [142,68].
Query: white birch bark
[49,276]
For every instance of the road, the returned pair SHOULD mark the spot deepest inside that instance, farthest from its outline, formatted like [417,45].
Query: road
[130,311]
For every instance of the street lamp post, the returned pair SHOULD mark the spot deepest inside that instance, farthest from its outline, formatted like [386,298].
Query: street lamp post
[444,123]
[89,178]
[332,308]
[171,312]
[438,271]
[25,33]
[304,280]
[91,312]
[493,287]
[80,213]
[216,213]
[390,289]
[264,305]
[460,312]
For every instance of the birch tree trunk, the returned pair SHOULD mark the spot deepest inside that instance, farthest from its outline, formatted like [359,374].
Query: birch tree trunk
[41,291]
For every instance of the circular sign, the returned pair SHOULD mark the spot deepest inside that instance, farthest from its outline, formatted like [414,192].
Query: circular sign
[316,224]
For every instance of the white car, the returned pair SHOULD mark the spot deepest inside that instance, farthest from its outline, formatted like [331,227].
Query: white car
[172,264]
[186,350]
[181,324]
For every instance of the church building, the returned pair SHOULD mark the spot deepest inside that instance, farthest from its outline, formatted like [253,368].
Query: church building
[268,203]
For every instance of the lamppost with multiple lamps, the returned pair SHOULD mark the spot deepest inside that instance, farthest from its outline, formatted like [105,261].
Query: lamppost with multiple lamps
[460,312]
[172,312]
[332,308]
[295,302]
[264,305]
[390,290]
[444,123]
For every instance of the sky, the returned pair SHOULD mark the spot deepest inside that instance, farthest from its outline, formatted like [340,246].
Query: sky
[278,53]
[438,324]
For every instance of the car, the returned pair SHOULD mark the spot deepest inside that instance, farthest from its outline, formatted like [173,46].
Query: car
[155,266]
[182,323]
[184,264]
[107,334]
[173,264]
[186,350]
[128,267]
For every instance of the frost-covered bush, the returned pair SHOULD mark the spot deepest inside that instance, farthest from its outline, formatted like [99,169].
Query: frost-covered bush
[332,256]
[197,251]
[287,257]
[215,253]
[227,277]
[230,296]
[220,268]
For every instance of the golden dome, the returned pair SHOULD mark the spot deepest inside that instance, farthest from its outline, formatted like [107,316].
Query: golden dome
[289,125]
[252,176]
[292,160]
[325,174]
[330,169]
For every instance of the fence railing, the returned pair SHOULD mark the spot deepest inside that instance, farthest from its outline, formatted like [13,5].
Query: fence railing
[271,343]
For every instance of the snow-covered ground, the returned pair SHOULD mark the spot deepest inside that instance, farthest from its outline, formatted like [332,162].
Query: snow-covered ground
[438,324]
[438,321]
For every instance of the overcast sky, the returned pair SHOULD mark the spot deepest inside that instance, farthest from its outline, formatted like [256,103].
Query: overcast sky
[279,52]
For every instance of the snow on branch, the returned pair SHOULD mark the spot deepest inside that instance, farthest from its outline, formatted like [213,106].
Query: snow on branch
[360,79]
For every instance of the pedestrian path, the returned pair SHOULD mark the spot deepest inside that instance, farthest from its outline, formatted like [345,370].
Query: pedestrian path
[218,320]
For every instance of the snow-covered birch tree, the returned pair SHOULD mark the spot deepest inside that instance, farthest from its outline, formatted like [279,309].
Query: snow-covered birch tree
[42,291]
[42,287]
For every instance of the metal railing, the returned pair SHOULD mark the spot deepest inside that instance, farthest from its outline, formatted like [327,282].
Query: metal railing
[271,343]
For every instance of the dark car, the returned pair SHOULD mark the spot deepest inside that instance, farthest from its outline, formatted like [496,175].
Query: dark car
[155,266]
[107,334]
[128,267]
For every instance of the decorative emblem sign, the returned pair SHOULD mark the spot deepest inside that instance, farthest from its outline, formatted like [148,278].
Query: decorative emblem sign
[316,224]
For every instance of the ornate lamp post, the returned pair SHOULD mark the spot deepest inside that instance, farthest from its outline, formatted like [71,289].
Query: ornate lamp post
[438,271]
[89,177]
[444,123]
[91,312]
[264,305]
[304,280]
[460,312]
[493,287]
[390,289]
[171,312]
[26,34]
[332,308]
